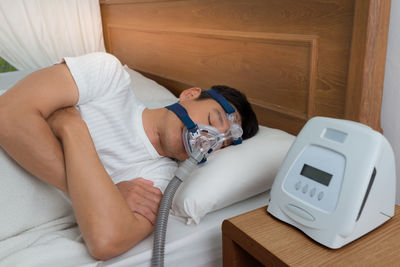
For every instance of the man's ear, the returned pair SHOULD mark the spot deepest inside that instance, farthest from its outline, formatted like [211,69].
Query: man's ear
[189,94]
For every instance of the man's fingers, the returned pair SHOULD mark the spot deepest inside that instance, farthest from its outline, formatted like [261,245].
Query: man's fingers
[143,181]
[146,208]
[150,192]
[153,194]
[142,197]
[147,213]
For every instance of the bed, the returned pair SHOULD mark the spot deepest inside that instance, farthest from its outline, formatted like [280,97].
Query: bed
[40,222]
[293,59]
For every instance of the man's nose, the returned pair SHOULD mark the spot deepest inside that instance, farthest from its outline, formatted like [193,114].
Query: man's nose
[225,127]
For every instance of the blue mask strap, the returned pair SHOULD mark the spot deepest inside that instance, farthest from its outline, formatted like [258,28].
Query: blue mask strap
[221,100]
[182,114]
[237,141]
[225,105]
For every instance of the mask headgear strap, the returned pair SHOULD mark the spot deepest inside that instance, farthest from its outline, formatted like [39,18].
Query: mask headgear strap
[225,105]
[182,114]
[221,100]
[192,127]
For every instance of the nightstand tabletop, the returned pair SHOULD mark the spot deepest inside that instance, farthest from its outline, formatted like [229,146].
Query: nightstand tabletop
[272,242]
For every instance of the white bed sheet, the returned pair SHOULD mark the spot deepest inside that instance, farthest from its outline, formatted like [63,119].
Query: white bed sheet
[190,245]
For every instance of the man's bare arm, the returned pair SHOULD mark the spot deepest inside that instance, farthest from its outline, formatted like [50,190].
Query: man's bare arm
[24,132]
[26,136]
[108,226]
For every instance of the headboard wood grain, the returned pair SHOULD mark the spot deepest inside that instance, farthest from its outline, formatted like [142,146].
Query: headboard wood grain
[294,59]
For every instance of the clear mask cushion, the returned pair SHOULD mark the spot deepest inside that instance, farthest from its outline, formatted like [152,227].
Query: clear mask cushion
[206,138]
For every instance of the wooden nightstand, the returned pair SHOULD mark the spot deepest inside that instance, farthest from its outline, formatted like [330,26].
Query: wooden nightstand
[258,239]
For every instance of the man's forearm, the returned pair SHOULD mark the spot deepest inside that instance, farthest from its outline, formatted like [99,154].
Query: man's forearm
[28,139]
[24,133]
[104,218]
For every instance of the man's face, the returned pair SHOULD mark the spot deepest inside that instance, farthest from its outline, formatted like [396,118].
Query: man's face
[206,111]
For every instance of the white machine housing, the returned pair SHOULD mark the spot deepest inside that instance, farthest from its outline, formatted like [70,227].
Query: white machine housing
[337,182]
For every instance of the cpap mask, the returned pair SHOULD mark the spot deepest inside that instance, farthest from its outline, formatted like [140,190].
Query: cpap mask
[206,138]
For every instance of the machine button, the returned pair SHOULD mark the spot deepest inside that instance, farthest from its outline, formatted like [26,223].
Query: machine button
[297,185]
[300,212]
[320,195]
[312,192]
[305,189]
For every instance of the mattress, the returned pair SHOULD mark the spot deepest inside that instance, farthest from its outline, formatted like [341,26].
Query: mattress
[184,243]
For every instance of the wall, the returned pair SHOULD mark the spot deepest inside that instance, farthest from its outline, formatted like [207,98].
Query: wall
[390,116]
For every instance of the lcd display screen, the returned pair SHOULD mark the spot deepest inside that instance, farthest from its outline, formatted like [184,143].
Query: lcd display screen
[316,174]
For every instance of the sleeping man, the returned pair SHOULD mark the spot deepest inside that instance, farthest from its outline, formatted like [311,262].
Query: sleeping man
[78,126]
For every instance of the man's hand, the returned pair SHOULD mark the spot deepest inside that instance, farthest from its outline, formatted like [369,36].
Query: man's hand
[142,197]
[61,118]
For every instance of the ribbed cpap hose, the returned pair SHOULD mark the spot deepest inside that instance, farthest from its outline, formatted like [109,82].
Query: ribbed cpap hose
[181,174]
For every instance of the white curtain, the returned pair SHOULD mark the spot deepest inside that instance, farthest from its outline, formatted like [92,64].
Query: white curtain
[38,33]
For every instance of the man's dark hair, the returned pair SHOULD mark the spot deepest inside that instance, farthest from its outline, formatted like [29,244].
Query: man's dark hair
[239,100]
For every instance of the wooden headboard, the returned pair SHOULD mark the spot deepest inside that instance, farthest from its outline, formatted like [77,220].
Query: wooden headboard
[294,59]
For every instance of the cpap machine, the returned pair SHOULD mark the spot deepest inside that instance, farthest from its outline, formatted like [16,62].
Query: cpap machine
[199,141]
[337,182]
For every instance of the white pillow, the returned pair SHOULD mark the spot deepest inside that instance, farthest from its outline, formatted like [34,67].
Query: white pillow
[149,92]
[26,202]
[233,174]
[230,175]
